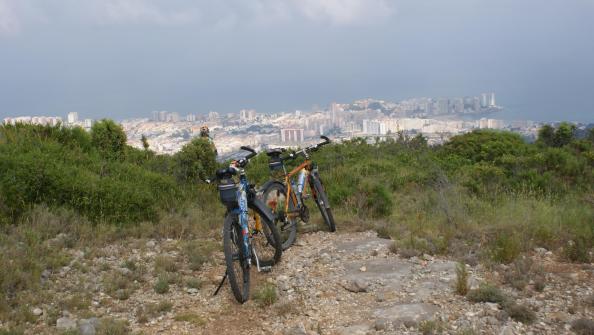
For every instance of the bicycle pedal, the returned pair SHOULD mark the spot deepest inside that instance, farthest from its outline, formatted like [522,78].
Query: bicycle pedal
[265,268]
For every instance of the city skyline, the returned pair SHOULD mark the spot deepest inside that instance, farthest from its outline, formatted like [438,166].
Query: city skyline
[123,58]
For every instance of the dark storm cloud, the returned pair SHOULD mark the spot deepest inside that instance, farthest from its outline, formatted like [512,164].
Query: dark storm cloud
[125,58]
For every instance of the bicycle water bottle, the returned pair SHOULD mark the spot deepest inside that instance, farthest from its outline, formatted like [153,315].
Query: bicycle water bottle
[301,182]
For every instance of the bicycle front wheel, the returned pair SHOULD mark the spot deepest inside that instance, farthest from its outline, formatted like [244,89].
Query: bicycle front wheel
[321,200]
[238,270]
[275,197]
[264,240]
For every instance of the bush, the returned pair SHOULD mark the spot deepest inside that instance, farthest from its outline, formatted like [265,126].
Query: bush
[487,293]
[266,295]
[577,250]
[162,285]
[461,287]
[196,161]
[520,313]
[506,248]
[583,326]
[109,138]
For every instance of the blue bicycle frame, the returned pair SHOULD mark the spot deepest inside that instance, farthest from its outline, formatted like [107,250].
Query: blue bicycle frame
[242,212]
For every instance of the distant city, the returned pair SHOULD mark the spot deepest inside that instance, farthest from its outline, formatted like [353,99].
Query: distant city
[437,119]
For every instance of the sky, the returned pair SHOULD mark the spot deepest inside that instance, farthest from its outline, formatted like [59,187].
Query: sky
[125,58]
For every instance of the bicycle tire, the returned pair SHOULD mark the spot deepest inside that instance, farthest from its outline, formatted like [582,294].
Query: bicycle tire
[321,199]
[267,239]
[286,227]
[238,271]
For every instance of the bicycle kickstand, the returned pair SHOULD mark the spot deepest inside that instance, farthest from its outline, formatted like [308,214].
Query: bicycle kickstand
[220,284]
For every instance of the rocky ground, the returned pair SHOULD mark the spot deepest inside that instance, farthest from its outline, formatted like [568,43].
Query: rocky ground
[347,283]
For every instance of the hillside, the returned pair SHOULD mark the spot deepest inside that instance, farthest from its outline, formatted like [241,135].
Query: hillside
[94,228]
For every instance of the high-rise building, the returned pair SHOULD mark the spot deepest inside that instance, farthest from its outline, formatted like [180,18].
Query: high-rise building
[484,100]
[72,117]
[191,117]
[213,116]
[246,115]
[88,123]
[294,135]
[492,100]
[443,106]
[162,116]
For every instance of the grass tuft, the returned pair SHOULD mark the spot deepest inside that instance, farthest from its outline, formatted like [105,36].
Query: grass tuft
[266,295]
[461,286]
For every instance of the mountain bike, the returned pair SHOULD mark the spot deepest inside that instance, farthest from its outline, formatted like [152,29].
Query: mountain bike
[286,199]
[249,233]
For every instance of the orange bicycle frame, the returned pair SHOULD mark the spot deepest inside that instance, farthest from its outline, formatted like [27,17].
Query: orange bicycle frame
[305,165]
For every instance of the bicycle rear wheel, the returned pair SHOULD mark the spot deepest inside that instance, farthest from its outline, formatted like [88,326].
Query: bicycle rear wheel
[275,197]
[238,271]
[321,199]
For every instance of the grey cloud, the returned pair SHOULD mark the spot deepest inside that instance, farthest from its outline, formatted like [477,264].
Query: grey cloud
[9,22]
[209,14]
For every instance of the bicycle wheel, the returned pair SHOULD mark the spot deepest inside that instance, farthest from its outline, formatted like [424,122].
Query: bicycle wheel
[321,200]
[275,197]
[238,271]
[264,240]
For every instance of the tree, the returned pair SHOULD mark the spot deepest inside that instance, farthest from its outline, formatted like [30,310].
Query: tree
[196,161]
[565,134]
[109,138]
[546,135]
[591,135]
[551,137]
[145,143]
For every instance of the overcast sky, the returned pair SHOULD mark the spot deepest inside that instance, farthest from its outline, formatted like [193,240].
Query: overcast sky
[126,58]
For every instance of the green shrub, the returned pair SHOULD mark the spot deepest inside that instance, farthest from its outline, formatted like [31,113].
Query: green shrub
[191,318]
[520,313]
[577,250]
[110,326]
[162,285]
[266,295]
[487,293]
[109,138]
[506,248]
[461,286]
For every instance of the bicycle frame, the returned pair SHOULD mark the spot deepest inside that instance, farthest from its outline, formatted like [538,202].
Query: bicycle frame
[299,169]
[242,212]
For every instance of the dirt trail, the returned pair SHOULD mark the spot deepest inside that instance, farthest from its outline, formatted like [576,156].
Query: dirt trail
[342,283]
[353,284]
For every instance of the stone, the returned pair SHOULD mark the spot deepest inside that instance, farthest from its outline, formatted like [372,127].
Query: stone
[363,269]
[151,244]
[192,290]
[407,314]
[88,326]
[507,330]
[66,323]
[37,311]
[124,271]
[356,285]
[354,330]
[381,324]
[296,330]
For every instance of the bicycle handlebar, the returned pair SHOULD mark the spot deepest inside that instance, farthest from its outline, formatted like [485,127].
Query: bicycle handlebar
[311,148]
[230,171]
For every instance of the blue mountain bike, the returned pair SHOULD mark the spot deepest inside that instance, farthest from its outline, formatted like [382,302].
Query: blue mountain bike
[249,233]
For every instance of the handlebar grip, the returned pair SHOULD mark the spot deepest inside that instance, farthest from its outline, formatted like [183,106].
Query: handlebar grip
[252,152]
[326,140]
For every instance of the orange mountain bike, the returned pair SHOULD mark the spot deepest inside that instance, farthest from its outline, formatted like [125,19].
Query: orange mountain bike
[286,199]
